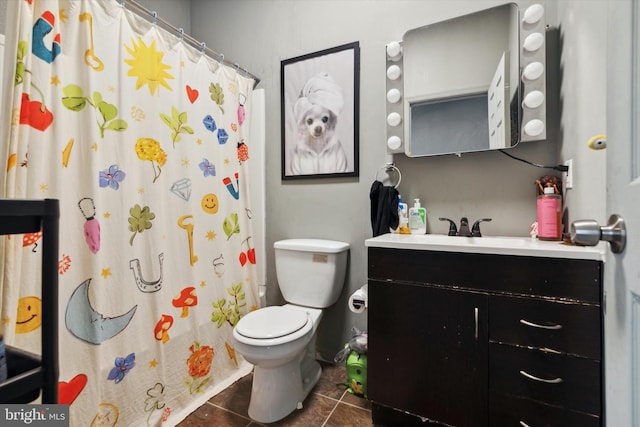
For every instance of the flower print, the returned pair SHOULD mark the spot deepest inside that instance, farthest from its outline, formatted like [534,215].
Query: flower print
[149,149]
[122,367]
[112,177]
[200,360]
[207,168]
[199,364]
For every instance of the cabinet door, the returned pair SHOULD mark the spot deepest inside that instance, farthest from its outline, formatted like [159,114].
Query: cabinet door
[428,351]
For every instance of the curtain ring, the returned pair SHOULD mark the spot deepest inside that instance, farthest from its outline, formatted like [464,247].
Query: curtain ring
[221,58]
[181,31]
[203,46]
[155,17]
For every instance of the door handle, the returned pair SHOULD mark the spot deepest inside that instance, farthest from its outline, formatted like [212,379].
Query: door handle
[587,232]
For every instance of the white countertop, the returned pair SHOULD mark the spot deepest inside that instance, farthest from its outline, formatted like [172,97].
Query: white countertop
[522,246]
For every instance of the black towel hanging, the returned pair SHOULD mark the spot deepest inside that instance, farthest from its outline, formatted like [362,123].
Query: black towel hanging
[384,208]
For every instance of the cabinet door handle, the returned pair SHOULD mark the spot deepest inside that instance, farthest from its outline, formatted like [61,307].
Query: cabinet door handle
[476,320]
[542,380]
[536,325]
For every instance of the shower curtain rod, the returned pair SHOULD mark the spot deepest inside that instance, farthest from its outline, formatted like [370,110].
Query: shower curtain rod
[152,16]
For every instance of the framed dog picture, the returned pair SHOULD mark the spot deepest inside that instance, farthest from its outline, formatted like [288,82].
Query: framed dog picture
[320,113]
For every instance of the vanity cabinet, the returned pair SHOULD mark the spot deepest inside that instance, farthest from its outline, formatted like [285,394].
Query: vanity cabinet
[482,339]
[408,373]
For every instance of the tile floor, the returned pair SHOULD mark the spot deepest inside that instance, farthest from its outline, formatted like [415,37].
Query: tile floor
[328,405]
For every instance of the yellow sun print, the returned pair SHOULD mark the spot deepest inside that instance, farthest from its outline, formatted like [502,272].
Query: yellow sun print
[147,66]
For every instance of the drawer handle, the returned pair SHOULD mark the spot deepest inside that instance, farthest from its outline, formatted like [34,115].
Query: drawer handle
[475,315]
[535,325]
[542,380]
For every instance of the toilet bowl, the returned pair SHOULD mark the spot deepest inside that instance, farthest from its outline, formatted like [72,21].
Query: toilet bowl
[280,341]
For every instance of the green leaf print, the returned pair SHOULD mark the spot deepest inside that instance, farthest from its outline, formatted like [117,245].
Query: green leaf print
[21,68]
[217,95]
[139,220]
[108,111]
[75,100]
[176,124]
[231,310]
[231,227]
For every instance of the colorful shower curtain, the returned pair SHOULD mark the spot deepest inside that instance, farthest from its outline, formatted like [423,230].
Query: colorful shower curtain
[144,140]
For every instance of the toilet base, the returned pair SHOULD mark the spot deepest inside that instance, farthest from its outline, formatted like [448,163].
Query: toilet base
[276,392]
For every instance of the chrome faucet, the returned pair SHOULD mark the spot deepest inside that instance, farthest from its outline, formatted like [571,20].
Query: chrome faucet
[464,227]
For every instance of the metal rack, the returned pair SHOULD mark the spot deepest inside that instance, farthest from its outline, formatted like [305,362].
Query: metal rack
[30,373]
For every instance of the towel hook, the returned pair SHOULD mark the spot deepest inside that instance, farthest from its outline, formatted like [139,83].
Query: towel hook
[388,168]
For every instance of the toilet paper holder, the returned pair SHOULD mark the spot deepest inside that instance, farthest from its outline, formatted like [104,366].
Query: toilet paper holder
[359,300]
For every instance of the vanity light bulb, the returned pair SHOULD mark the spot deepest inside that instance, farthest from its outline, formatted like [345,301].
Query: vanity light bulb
[393,49]
[533,14]
[393,72]
[534,127]
[533,42]
[533,99]
[394,119]
[394,96]
[394,142]
[533,71]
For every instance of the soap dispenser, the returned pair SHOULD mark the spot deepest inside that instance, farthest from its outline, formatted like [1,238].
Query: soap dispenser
[417,218]
[403,217]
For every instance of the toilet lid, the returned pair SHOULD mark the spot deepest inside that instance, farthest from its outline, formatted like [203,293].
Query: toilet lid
[271,322]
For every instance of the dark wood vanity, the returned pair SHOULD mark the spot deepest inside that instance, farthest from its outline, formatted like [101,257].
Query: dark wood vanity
[485,339]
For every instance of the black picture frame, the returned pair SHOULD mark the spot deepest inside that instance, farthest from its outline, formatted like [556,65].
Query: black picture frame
[320,108]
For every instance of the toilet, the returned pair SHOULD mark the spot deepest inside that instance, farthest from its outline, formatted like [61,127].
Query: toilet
[280,340]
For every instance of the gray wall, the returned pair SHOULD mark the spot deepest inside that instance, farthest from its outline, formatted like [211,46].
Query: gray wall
[259,34]
[175,12]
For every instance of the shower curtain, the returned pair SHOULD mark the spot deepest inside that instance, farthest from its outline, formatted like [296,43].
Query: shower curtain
[144,140]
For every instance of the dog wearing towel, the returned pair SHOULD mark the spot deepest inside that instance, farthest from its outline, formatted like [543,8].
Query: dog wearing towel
[318,150]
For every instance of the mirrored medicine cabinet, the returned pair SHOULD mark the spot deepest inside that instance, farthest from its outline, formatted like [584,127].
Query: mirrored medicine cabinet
[471,83]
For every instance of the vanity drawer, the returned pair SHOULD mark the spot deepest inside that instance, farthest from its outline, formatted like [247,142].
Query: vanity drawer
[508,411]
[560,326]
[567,381]
[570,279]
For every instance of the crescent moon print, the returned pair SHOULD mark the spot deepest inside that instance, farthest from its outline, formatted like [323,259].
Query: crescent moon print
[87,324]
[144,285]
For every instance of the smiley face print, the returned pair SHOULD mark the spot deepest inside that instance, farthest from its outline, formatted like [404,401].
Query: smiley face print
[29,315]
[210,203]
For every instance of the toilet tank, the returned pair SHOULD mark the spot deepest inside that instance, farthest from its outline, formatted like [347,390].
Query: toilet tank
[311,272]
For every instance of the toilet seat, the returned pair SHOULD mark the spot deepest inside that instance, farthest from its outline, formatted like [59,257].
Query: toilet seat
[273,325]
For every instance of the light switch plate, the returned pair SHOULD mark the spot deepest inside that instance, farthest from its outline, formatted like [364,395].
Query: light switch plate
[568,176]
